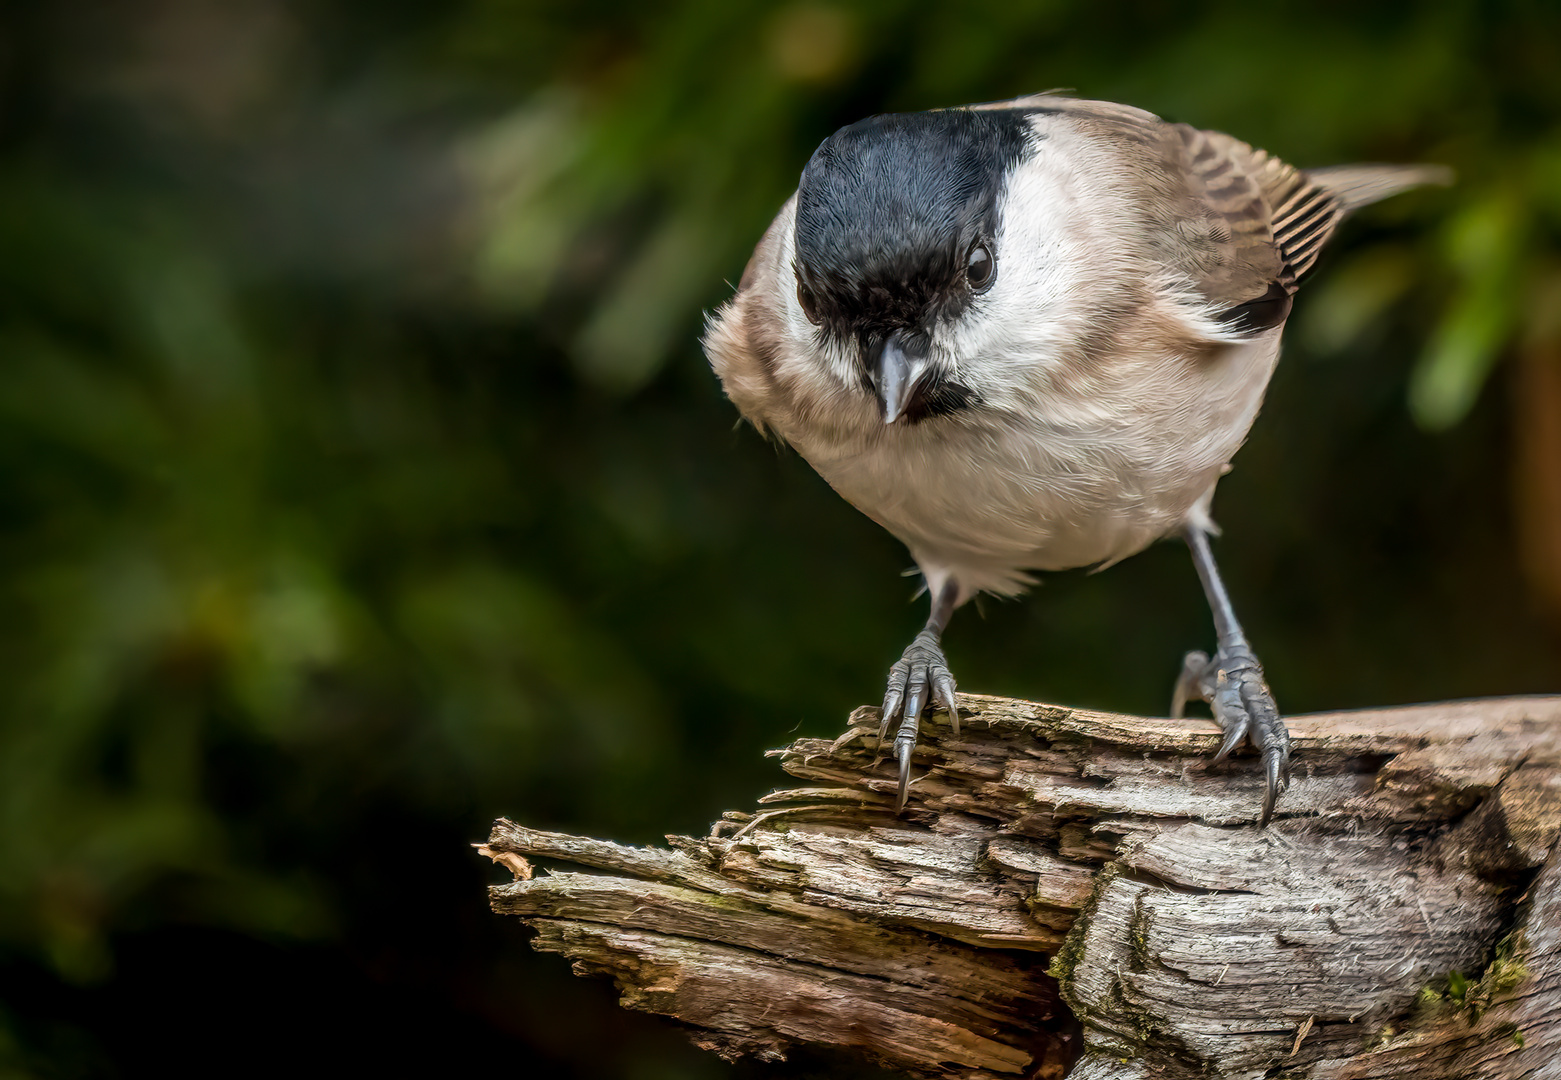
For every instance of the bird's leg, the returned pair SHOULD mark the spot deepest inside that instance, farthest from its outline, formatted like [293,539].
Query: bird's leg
[917,678]
[1232,682]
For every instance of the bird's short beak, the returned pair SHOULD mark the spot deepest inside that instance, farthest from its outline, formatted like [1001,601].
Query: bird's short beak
[898,372]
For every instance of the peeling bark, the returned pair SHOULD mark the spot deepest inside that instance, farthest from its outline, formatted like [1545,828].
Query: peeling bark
[1083,894]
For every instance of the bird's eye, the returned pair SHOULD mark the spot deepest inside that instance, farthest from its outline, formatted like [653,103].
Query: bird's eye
[978,271]
[808,301]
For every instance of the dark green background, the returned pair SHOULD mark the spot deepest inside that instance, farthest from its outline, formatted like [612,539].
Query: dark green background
[361,479]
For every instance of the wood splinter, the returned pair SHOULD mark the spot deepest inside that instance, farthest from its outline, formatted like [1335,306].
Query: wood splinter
[1073,893]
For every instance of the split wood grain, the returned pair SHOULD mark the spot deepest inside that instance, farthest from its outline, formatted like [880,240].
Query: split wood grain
[1080,893]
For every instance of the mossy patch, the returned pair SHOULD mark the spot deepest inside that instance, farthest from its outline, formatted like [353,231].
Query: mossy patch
[1457,993]
[1138,927]
[1066,960]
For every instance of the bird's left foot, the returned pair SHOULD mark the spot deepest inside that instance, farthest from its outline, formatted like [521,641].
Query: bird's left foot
[1232,683]
[919,678]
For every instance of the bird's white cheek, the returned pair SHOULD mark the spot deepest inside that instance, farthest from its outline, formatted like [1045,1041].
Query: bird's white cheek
[1055,269]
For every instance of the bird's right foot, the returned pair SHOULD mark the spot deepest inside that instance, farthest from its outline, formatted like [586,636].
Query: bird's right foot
[918,679]
[1232,683]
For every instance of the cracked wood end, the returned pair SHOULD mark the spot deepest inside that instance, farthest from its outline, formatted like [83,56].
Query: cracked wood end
[1074,893]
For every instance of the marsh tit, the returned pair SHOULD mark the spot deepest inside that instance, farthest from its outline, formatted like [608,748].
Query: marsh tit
[1029,336]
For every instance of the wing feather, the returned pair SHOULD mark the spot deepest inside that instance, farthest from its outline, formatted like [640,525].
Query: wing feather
[1269,204]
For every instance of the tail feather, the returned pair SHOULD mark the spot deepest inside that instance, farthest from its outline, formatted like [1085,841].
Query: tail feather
[1358,185]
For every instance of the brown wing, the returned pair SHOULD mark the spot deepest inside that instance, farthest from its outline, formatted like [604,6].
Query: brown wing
[1226,243]
[1278,217]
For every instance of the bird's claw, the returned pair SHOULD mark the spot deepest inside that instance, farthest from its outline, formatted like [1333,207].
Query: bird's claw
[1232,683]
[919,678]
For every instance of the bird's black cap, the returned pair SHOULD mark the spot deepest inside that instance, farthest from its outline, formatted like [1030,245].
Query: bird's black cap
[889,208]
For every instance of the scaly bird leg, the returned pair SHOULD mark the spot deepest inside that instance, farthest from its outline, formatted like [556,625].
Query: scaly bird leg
[1232,682]
[917,678]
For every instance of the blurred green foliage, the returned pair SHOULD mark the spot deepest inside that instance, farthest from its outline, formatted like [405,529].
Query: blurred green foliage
[357,457]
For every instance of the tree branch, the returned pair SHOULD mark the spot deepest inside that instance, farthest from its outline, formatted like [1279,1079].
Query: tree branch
[1061,871]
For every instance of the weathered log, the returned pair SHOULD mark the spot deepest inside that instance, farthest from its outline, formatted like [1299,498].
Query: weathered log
[1085,894]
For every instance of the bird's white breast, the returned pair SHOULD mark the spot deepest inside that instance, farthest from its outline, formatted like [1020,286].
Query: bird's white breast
[987,496]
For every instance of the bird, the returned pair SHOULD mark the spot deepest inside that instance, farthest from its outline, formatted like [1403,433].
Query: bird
[1029,336]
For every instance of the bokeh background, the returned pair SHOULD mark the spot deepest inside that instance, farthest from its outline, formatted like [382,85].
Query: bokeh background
[361,479]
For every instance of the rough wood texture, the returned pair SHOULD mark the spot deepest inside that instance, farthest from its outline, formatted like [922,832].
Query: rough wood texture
[1060,871]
